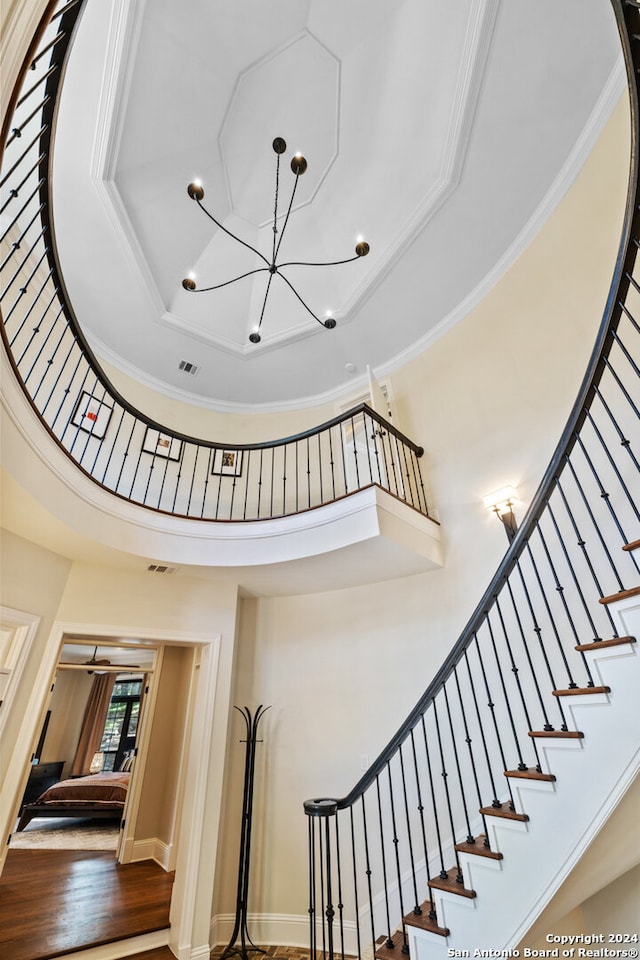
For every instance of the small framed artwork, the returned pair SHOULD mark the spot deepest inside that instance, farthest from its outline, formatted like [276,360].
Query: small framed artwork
[161,444]
[92,415]
[227,463]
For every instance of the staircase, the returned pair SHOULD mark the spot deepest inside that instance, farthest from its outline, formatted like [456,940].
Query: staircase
[527,737]
[557,812]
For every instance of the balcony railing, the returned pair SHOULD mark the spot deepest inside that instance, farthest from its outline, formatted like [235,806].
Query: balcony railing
[116,445]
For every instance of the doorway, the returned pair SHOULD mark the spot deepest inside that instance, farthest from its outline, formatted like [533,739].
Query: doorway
[193,660]
[77,790]
[193,751]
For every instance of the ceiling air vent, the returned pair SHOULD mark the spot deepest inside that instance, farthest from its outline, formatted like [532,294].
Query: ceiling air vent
[187,367]
[160,568]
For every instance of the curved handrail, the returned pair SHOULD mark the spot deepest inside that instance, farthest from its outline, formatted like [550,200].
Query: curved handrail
[112,442]
[626,258]
[501,687]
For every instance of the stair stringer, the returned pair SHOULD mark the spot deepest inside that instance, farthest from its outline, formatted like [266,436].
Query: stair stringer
[592,775]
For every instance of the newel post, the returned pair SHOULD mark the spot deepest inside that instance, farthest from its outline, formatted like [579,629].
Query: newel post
[319,817]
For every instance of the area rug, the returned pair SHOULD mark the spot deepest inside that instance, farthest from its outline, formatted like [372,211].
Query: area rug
[66,834]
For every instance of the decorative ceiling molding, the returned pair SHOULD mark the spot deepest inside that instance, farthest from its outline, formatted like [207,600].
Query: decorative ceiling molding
[125,29]
[122,42]
[475,53]
[610,97]
[484,32]
[272,55]
[614,89]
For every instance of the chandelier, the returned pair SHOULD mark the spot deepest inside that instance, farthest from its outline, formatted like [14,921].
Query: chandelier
[272,267]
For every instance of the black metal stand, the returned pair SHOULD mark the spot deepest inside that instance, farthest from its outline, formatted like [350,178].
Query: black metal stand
[240,929]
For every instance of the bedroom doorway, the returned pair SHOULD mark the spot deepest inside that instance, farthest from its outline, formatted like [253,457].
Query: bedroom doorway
[175,748]
[86,745]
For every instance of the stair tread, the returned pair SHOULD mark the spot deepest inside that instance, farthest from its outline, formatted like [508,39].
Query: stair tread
[621,595]
[384,952]
[579,691]
[530,774]
[451,884]
[558,734]
[613,642]
[424,921]
[478,848]
[504,811]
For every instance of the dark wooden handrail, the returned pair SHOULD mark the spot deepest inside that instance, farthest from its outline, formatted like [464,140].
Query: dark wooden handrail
[625,261]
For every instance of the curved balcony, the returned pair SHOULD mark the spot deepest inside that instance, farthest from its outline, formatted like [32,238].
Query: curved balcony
[117,446]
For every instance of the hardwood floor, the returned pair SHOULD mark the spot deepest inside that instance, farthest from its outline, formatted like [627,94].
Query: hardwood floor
[55,901]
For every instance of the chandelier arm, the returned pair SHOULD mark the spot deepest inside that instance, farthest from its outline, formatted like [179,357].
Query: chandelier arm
[228,232]
[307,308]
[286,219]
[264,302]
[227,282]
[308,263]
[275,209]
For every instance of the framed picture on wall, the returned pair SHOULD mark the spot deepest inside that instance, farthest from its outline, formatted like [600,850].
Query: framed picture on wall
[161,444]
[227,463]
[92,415]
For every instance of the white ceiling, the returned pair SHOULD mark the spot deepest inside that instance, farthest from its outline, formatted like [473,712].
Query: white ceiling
[443,133]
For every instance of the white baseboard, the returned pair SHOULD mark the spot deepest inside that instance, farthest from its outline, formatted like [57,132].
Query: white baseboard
[277,929]
[153,849]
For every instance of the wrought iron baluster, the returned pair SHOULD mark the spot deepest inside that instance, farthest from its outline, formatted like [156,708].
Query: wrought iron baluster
[454,746]
[492,708]
[516,673]
[35,330]
[396,851]
[356,910]
[383,865]
[445,780]
[507,700]
[434,805]
[624,440]
[416,899]
[537,629]
[562,593]
[423,828]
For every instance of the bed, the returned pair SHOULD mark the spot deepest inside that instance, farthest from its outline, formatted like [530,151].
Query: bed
[100,795]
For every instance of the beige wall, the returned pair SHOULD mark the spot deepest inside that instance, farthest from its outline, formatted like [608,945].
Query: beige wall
[615,909]
[67,705]
[32,581]
[488,402]
[162,768]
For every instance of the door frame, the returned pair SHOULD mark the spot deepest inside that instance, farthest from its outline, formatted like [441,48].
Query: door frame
[196,750]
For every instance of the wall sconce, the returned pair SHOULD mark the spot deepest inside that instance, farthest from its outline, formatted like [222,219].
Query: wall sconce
[97,763]
[502,503]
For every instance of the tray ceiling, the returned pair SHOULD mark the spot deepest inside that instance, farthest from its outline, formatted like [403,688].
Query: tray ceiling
[442,133]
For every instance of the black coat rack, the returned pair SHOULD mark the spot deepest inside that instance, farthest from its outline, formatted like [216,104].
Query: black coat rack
[240,930]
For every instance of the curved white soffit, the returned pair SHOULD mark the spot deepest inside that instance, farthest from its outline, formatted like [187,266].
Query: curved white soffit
[48,475]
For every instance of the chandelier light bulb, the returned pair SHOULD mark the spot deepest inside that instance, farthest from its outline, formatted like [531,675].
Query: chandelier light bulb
[330,322]
[196,190]
[189,282]
[298,164]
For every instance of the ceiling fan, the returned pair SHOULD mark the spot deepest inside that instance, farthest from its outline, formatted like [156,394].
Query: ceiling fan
[94,664]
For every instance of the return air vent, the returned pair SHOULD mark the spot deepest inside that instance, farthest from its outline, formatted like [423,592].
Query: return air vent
[187,367]
[160,568]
